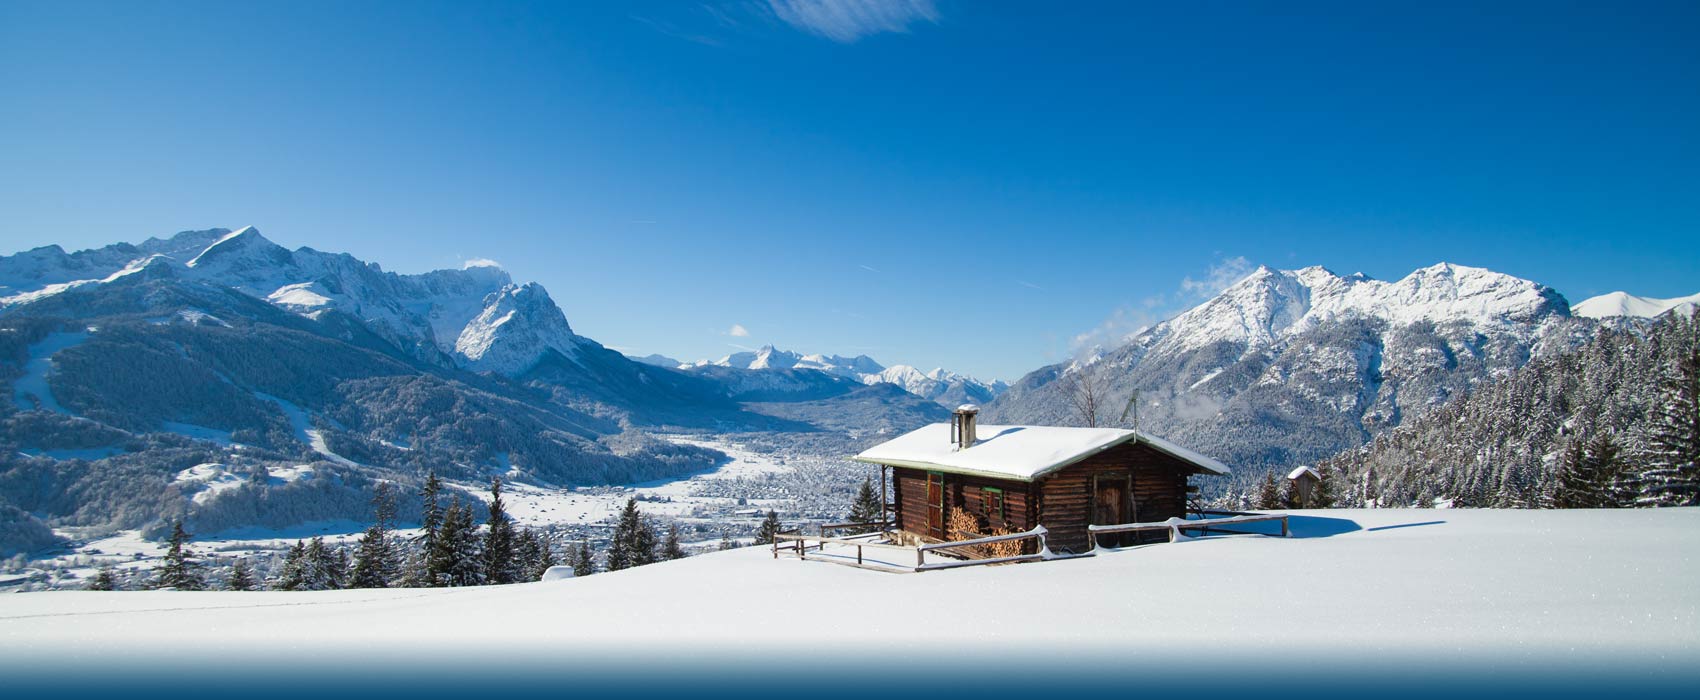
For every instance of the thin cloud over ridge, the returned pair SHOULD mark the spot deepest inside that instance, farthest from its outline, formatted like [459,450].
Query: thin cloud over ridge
[846,21]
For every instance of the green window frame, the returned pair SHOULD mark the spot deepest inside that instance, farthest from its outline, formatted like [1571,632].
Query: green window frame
[994,502]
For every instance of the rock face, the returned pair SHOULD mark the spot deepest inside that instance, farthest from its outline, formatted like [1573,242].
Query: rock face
[1288,366]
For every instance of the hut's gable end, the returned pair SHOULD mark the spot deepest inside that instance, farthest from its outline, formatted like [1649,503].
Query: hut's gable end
[1152,483]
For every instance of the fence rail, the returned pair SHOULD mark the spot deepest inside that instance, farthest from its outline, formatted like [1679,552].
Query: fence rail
[801,544]
[1176,525]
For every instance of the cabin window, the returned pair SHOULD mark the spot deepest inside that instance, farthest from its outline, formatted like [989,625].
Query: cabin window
[994,504]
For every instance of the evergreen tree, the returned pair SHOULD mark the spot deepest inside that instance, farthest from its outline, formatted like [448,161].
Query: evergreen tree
[866,509]
[323,569]
[241,577]
[584,562]
[500,563]
[1269,494]
[1322,495]
[726,543]
[1670,457]
[633,542]
[769,528]
[458,561]
[103,581]
[431,524]
[670,548]
[1618,486]
[292,576]
[534,554]
[375,556]
[1577,485]
[178,570]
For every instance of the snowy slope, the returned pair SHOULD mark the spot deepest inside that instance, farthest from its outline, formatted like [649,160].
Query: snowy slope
[1624,304]
[1288,366]
[1443,591]
[476,318]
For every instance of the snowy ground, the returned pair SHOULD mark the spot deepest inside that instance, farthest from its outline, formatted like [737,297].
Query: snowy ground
[1456,591]
[711,497]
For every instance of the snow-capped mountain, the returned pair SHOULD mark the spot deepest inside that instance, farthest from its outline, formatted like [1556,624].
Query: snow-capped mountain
[476,318]
[1286,366]
[1625,305]
[940,385]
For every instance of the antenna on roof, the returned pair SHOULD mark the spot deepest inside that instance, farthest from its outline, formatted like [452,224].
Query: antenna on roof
[1132,405]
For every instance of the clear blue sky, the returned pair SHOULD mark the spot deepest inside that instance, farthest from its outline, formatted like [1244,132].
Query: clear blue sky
[967,184]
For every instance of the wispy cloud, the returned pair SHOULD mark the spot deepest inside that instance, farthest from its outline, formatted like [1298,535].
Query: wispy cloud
[869,269]
[846,21]
[1132,319]
[643,222]
[738,331]
[1029,285]
[1221,276]
[479,262]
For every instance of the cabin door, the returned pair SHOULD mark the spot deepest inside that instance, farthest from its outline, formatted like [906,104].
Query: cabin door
[1112,504]
[935,504]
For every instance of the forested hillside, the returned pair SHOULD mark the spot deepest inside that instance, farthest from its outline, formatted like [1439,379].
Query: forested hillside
[1613,423]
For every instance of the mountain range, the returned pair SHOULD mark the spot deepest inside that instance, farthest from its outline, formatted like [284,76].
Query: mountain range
[940,385]
[1289,366]
[222,355]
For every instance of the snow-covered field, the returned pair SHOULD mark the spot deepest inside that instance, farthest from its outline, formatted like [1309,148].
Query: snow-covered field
[1458,590]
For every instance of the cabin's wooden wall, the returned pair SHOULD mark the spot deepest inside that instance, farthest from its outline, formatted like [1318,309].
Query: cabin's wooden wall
[961,492]
[1065,497]
[1062,501]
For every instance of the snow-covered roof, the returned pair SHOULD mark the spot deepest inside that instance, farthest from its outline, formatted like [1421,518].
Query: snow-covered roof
[1296,473]
[1024,452]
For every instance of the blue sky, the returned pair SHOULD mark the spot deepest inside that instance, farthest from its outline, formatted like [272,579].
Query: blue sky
[967,184]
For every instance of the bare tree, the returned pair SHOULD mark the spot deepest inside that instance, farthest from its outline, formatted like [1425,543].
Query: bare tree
[1085,390]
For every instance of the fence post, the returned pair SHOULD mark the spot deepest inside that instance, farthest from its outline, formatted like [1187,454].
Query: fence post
[1283,526]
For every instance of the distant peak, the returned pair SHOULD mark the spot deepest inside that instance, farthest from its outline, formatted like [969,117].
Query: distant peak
[246,238]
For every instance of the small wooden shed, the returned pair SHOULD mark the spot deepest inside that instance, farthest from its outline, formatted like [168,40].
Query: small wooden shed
[1017,476]
[1304,481]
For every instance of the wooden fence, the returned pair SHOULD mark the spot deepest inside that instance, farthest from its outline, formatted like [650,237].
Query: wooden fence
[801,544]
[1176,525]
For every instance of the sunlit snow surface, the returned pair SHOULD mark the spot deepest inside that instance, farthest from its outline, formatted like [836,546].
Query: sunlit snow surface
[1499,594]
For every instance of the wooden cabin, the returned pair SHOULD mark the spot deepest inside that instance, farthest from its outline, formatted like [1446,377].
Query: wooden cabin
[1015,477]
[1304,481]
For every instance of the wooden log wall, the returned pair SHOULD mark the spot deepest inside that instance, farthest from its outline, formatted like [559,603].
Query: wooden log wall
[1066,497]
[1062,502]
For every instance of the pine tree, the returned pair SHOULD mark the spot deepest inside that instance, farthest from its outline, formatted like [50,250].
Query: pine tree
[292,576]
[431,524]
[647,545]
[500,564]
[1670,458]
[457,560]
[584,562]
[727,543]
[628,548]
[1269,493]
[535,555]
[670,548]
[375,562]
[1322,495]
[241,577]
[866,509]
[769,529]
[322,569]
[178,570]
[1617,484]
[103,581]
[1577,485]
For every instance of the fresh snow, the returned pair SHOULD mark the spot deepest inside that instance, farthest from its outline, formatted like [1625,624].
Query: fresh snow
[1625,304]
[1015,451]
[1457,588]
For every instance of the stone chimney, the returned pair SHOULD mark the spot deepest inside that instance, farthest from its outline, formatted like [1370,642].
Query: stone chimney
[962,426]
